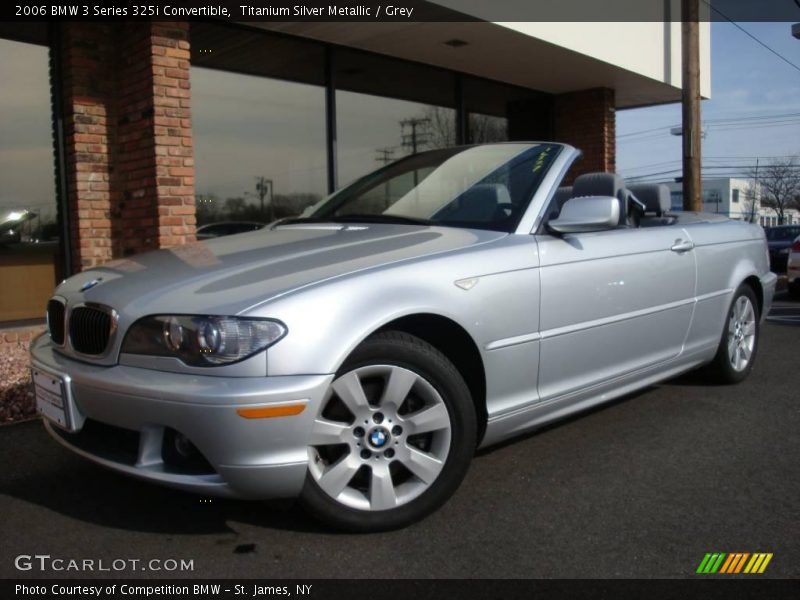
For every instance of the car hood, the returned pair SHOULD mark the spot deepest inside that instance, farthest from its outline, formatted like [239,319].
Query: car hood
[231,274]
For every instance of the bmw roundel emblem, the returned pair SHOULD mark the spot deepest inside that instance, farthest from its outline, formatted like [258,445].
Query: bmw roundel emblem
[377,437]
[90,284]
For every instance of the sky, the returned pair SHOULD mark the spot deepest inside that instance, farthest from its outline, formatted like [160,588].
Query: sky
[747,80]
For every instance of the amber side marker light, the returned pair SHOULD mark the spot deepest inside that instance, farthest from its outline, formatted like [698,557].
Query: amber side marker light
[269,412]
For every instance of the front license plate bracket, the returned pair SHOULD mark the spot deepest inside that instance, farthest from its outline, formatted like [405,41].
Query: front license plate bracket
[54,400]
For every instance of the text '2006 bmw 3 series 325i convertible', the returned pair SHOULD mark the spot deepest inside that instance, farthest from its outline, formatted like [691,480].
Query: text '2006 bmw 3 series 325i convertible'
[357,355]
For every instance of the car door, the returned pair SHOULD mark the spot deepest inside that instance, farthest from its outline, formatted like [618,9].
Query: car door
[612,302]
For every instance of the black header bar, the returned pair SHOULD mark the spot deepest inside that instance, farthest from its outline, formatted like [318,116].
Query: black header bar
[401,11]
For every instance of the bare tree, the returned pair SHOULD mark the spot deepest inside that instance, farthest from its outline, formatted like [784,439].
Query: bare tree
[750,203]
[441,126]
[483,129]
[779,184]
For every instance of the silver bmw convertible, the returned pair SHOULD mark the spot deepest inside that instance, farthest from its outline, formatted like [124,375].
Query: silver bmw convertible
[357,355]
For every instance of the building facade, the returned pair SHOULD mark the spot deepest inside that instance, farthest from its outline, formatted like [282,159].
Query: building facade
[736,198]
[119,138]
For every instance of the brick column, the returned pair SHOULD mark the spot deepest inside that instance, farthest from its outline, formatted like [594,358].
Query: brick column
[587,120]
[129,158]
[87,85]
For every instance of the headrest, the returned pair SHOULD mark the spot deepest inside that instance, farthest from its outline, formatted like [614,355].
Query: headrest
[563,194]
[598,184]
[492,192]
[655,196]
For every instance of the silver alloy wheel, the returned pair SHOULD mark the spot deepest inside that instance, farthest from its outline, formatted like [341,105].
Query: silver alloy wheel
[741,333]
[394,446]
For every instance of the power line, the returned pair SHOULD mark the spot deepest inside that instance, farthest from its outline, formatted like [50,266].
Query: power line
[758,41]
[384,155]
[728,126]
[718,125]
[731,127]
[731,170]
[624,135]
[651,165]
[766,118]
[753,118]
[745,158]
[418,134]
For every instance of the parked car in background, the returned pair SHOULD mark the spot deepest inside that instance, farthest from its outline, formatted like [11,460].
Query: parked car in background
[779,239]
[11,222]
[793,269]
[223,228]
[357,356]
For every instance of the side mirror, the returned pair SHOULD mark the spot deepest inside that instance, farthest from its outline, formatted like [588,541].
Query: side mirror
[588,213]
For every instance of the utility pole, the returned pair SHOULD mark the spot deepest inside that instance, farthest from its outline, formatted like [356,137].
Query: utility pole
[385,155]
[416,138]
[690,51]
[418,135]
[754,209]
[264,186]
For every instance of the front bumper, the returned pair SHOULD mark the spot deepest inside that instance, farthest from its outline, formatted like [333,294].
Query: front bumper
[246,458]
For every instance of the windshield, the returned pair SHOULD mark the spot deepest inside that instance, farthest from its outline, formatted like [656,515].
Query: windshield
[480,187]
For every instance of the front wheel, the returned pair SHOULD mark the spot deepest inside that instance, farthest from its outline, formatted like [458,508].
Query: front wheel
[393,439]
[737,349]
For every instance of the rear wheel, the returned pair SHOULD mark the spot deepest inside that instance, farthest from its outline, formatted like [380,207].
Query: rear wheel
[393,439]
[737,349]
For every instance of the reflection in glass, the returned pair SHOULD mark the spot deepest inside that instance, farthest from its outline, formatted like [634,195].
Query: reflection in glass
[259,146]
[493,108]
[373,130]
[28,228]
[486,129]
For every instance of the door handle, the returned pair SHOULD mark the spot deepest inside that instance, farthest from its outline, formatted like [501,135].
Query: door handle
[682,245]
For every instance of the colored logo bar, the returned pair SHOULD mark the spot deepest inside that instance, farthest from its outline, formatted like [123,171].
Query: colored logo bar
[734,562]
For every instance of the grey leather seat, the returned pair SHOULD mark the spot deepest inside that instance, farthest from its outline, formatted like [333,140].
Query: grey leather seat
[480,203]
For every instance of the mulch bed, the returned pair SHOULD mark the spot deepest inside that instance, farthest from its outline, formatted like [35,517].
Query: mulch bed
[16,390]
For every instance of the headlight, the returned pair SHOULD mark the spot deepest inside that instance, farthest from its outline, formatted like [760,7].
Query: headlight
[202,341]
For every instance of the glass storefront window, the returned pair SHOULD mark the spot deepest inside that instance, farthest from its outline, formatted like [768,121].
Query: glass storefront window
[28,219]
[498,112]
[259,118]
[259,146]
[258,121]
[388,108]
[374,131]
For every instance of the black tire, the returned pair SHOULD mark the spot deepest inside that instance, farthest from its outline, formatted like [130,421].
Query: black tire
[794,290]
[408,352]
[721,369]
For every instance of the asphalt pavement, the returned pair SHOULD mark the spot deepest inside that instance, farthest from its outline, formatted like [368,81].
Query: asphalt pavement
[642,487]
